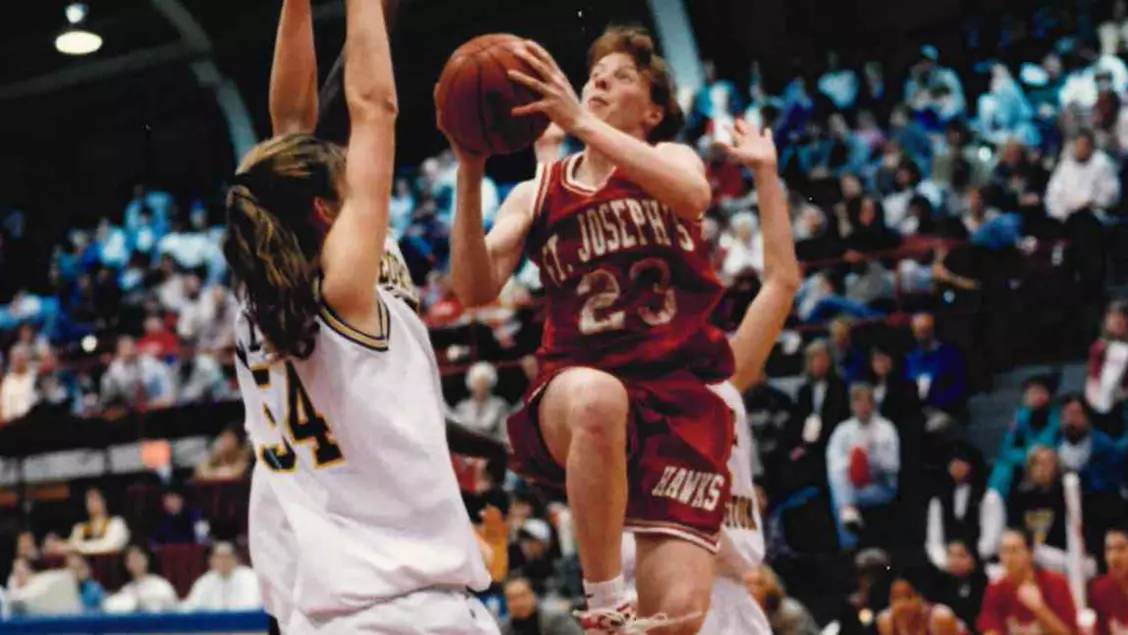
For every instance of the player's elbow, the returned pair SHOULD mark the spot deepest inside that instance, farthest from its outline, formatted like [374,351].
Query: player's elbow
[373,104]
[694,200]
[787,281]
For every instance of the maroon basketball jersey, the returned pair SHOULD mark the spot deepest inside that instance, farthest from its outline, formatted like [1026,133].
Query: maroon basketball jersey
[628,285]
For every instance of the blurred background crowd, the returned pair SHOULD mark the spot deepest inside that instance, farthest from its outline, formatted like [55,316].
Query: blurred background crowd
[958,351]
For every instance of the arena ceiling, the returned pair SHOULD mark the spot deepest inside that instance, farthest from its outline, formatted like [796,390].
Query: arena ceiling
[75,133]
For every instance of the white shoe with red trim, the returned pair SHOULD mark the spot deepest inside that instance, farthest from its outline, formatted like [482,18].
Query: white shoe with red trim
[623,620]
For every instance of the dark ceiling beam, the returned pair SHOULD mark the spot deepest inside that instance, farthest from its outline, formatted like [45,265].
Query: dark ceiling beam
[141,59]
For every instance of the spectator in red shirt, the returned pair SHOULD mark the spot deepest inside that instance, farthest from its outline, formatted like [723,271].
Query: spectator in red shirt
[1109,594]
[157,340]
[1026,600]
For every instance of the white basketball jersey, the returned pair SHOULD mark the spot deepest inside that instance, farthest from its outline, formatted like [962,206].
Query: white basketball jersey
[352,447]
[742,518]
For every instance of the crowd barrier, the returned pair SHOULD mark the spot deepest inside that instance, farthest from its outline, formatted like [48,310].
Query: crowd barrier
[186,623]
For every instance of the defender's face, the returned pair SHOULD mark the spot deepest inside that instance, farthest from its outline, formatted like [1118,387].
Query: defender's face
[619,94]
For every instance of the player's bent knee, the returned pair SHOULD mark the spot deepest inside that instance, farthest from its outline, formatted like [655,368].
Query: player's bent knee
[594,403]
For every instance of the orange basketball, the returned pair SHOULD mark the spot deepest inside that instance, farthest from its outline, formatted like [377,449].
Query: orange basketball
[474,97]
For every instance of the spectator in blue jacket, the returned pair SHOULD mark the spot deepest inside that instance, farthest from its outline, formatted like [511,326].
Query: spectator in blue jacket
[936,368]
[90,593]
[1087,451]
[1036,422]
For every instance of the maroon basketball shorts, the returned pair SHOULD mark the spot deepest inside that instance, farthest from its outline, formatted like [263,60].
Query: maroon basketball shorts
[679,436]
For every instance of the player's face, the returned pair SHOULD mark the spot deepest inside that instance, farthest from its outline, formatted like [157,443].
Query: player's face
[619,94]
[904,601]
[1014,555]
[1116,554]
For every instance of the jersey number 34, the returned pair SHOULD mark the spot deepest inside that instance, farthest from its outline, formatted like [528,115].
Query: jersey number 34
[303,425]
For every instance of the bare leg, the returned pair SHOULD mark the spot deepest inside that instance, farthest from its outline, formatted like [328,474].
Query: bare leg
[674,577]
[583,419]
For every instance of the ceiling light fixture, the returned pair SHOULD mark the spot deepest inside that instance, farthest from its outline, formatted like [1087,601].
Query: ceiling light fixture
[76,40]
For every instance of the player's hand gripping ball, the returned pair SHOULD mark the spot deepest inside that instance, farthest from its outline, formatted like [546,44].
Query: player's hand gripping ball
[475,97]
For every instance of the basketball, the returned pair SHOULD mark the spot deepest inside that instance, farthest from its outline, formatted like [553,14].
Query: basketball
[474,97]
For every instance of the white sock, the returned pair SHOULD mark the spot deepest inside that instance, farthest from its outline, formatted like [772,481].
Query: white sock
[603,595]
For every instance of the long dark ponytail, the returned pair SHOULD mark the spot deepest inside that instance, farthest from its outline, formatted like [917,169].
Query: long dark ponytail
[272,243]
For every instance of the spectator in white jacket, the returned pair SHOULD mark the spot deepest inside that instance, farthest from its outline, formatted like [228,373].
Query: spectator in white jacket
[863,460]
[1086,179]
[227,586]
[145,592]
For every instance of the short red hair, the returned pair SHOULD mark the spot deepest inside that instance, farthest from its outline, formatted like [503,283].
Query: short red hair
[636,43]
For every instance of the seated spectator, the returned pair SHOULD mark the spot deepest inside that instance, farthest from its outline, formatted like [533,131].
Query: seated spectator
[101,532]
[112,245]
[526,616]
[200,379]
[1085,180]
[936,368]
[52,592]
[1036,422]
[531,555]
[910,613]
[866,231]
[769,413]
[823,401]
[21,572]
[228,459]
[954,514]
[1109,593]
[145,592]
[1004,112]
[849,360]
[227,586]
[135,381]
[962,582]
[819,300]
[209,323]
[56,386]
[743,246]
[1026,599]
[987,226]
[26,547]
[36,342]
[17,392]
[786,614]
[934,92]
[483,412]
[863,462]
[1087,451]
[856,613]
[158,341]
[1037,507]
[1106,385]
[179,524]
[90,592]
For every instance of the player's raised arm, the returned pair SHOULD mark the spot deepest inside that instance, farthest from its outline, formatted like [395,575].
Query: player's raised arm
[293,75]
[482,264]
[355,244]
[765,317]
[670,172]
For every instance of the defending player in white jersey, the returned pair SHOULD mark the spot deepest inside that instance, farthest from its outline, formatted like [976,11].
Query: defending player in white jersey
[357,524]
[732,609]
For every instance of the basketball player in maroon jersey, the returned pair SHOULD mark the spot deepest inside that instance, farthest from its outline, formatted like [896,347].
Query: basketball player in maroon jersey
[1109,593]
[620,417]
